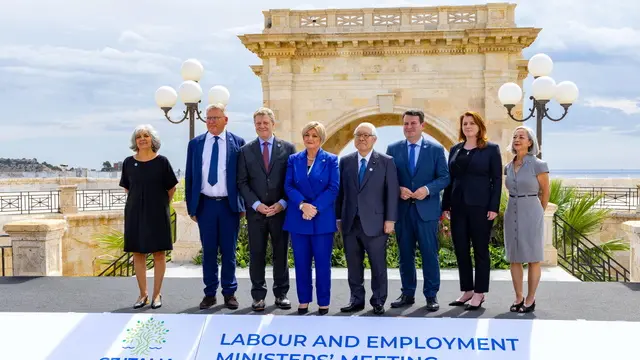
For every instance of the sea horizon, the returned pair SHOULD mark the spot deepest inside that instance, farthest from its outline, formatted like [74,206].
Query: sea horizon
[595,173]
[553,173]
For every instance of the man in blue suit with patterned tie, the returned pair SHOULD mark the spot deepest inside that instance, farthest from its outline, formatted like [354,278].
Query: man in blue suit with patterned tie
[422,173]
[213,201]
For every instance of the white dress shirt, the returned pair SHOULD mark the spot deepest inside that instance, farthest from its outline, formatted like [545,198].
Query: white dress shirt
[220,188]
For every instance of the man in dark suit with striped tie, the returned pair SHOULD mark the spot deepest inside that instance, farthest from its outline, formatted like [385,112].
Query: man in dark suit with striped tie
[262,169]
[366,209]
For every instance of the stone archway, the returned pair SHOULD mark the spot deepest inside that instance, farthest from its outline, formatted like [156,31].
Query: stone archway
[340,131]
[342,66]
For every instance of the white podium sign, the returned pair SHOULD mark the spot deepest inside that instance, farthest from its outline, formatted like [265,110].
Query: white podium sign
[108,336]
[387,338]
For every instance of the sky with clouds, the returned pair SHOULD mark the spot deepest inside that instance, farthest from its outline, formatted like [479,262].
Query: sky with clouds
[77,76]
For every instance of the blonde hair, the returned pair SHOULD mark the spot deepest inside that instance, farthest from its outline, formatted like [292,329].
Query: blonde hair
[265,111]
[218,106]
[318,127]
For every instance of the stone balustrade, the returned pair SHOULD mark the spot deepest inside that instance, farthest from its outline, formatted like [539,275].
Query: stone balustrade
[632,231]
[550,252]
[187,243]
[284,21]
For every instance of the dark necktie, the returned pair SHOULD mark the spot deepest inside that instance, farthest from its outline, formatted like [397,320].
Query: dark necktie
[265,155]
[412,159]
[363,168]
[213,165]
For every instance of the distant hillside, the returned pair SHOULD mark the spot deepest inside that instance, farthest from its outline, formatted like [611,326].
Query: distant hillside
[25,165]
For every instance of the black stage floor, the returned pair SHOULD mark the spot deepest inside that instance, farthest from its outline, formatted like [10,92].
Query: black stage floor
[555,300]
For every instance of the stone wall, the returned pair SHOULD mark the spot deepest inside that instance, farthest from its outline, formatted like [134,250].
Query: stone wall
[51,184]
[81,253]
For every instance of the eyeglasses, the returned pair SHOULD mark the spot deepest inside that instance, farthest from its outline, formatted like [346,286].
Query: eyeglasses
[366,136]
[214,118]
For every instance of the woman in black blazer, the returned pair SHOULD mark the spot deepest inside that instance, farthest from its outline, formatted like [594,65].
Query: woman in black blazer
[472,202]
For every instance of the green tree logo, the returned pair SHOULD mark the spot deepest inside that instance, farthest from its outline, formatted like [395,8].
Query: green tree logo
[145,336]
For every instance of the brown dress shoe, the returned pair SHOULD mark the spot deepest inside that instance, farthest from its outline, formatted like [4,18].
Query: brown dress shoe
[208,302]
[231,302]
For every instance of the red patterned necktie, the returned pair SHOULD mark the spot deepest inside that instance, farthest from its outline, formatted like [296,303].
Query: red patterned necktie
[265,155]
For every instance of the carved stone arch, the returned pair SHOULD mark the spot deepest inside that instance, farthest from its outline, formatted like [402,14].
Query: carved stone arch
[340,131]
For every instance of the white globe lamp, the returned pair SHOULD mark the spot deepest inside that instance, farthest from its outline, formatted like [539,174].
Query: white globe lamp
[543,88]
[166,97]
[566,92]
[510,94]
[192,70]
[190,92]
[540,65]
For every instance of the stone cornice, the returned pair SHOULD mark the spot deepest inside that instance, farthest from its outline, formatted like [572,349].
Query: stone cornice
[361,44]
[257,69]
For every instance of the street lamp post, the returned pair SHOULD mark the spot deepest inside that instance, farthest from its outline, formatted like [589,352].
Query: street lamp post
[190,93]
[544,88]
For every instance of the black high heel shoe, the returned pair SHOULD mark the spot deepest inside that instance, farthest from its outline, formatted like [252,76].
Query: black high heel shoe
[459,303]
[303,311]
[324,311]
[527,309]
[141,302]
[516,307]
[157,304]
[470,307]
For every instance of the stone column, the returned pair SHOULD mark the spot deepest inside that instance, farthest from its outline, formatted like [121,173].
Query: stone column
[638,204]
[632,231]
[187,242]
[550,252]
[68,199]
[36,246]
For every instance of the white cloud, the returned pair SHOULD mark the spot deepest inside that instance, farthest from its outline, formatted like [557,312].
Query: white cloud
[627,106]
[133,38]
[231,33]
[105,60]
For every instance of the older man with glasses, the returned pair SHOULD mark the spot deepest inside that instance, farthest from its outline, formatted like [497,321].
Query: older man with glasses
[366,209]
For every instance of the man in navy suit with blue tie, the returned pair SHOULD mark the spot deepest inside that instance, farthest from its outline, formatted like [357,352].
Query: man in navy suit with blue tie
[367,209]
[422,173]
[213,201]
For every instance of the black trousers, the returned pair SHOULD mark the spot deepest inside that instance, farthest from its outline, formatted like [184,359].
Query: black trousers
[469,225]
[356,242]
[260,229]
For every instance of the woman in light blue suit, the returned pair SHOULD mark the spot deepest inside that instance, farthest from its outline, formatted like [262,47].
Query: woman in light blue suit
[312,185]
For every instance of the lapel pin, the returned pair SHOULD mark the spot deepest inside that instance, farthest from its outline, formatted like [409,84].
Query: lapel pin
[323,160]
[135,164]
[370,169]
[278,145]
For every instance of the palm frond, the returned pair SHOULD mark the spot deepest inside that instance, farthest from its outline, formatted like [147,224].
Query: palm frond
[581,214]
[561,195]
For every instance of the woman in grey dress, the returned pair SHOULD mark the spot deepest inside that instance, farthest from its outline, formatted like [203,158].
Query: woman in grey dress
[527,181]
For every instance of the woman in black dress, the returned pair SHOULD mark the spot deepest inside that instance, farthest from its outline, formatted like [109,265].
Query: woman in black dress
[150,183]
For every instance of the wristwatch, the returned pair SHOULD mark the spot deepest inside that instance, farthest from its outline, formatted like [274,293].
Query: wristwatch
[301,203]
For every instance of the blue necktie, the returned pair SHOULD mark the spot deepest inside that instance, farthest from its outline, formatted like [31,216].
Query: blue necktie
[213,165]
[412,159]
[363,168]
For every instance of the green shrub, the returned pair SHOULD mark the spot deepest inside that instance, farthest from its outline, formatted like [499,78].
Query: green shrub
[338,259]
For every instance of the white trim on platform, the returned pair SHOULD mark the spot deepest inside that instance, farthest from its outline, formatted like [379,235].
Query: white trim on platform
[195,271]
